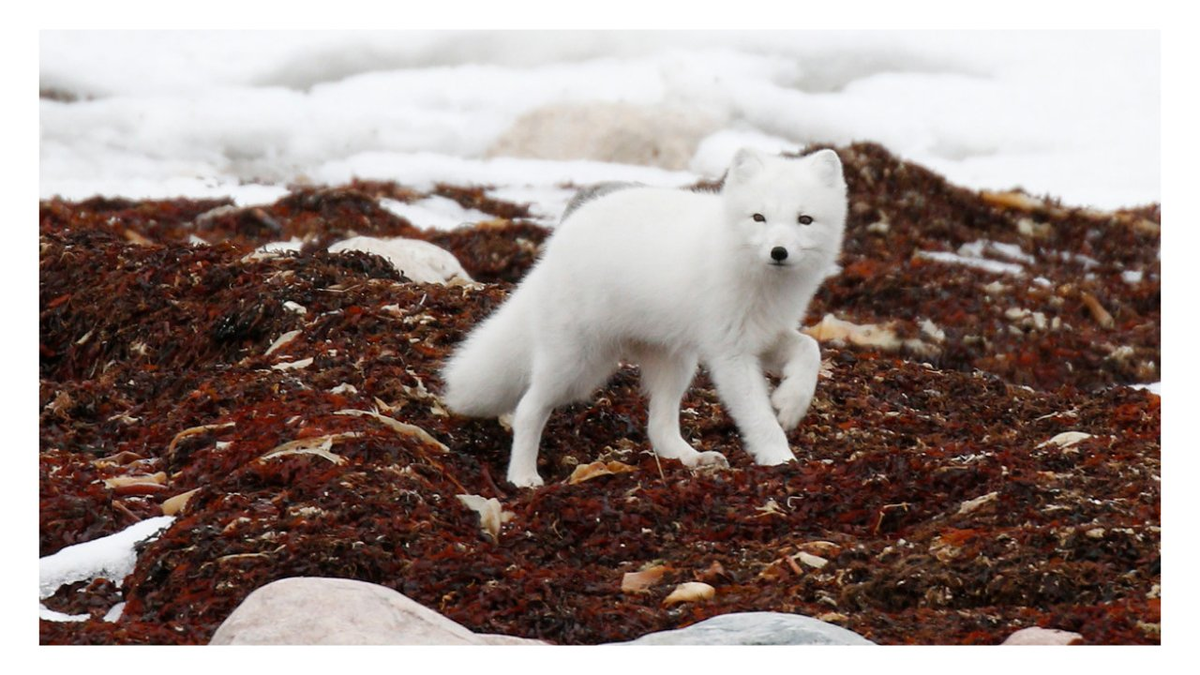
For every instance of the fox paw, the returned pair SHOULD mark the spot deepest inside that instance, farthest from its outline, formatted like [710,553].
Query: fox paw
[710,458]
[530,480]
[774,456]
[791,402]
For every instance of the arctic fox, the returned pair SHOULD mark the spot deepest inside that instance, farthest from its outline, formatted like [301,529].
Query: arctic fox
[667,279]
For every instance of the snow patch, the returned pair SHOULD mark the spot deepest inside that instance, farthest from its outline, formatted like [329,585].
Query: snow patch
[984,264]
[244,113]
[111,557]
[436,212]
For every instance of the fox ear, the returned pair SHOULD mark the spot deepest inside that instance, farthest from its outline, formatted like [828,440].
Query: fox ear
[828,167]
[746,164]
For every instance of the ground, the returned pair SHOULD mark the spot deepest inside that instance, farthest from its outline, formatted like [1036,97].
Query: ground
[929,503]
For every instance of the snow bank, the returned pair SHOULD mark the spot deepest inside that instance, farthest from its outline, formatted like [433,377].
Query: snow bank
[1072,114]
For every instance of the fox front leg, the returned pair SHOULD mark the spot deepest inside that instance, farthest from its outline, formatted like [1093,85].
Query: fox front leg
[796,358]
[743,389]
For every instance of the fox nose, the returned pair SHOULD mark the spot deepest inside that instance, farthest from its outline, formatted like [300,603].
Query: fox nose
[779,254]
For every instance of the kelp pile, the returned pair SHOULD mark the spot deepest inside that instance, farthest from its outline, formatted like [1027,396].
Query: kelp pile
[973,463]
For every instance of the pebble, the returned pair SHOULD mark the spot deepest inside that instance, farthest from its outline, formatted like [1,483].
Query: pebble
[691,591]
[811,560]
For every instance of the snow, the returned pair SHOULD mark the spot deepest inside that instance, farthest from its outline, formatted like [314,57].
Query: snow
[51,615]
[1010,251]
[112,557]
[435,211]
[972,255]
[244,113]
[1153,387]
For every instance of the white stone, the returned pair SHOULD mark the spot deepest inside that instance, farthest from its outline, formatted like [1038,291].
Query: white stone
[1041,636]
[319,611]
[418,260]
[690,591]
[811,560]
[755,628]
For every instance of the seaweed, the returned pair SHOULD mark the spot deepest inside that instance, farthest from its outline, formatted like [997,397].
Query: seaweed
[294,399]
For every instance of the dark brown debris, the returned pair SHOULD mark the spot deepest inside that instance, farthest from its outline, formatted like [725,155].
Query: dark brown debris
[924,480]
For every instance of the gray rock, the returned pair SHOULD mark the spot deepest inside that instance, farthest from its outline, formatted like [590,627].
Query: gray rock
[318,611]
[755,628]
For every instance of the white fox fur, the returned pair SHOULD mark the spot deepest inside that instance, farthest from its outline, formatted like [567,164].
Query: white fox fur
[667,279]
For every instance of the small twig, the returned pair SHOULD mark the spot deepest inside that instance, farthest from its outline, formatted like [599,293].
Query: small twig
[487,477]
[192,432]
[1097,310]
[883,512]
[133,517]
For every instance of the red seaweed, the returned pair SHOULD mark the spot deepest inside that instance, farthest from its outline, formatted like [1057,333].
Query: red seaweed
[923,479]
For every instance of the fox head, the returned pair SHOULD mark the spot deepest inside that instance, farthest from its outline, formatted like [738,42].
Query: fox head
[787,214]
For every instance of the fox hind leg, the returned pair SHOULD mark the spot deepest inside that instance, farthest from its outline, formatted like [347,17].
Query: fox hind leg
[665,379]
[529,420]
[559,377]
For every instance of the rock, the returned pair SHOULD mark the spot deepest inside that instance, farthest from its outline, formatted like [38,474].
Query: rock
[755,628]
[1042,636]
[814,561]
[691,591]
[319,611]
[418,260]
[623,133]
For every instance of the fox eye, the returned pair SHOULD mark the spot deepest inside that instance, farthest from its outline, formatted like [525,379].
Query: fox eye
[759,218]
[805,220]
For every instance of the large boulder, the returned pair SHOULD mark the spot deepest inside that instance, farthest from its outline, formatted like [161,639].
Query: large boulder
[318,611]
[618,132]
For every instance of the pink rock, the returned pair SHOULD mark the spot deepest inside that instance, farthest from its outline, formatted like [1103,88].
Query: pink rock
[1042,636]
[316,611]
